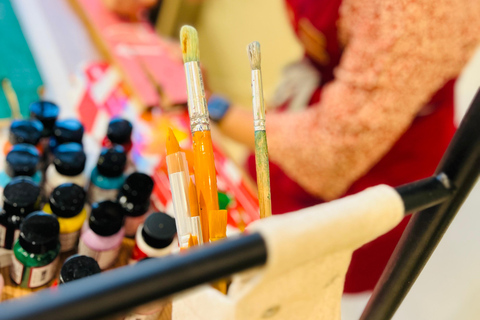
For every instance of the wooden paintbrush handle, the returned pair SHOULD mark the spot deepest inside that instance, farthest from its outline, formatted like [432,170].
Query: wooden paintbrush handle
[263,174]
[205,177]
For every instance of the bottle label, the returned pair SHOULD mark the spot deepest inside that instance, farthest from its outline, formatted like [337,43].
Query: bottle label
[137,254]
[42,275]
[16,270]
[5,257]
[97,194]
[104,258]
[68,240]
[3,234]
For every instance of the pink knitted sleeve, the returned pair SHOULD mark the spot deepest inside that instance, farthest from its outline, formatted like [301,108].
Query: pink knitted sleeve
[399,53]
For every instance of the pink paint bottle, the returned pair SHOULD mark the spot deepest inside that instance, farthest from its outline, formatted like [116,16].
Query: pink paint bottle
[102,234]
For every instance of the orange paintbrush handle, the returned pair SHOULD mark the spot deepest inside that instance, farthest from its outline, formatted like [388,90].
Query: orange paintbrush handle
[205,177]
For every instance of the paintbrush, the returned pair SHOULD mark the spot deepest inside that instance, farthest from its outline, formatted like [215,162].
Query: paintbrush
[195,215]
[179,177]
[204,165]
[261,148]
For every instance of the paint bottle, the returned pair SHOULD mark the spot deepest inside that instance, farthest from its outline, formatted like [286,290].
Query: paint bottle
[35,253]
[78,267]
[24,131]
[108,176]
[47,113]
[155,238]
[134,197]
[65,131]
[67,167]
[20,197]
[22,160]
[119,132]
[103,233]
[67,203]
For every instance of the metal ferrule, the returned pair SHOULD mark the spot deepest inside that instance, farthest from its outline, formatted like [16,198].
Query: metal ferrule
[258,105]
[197,104]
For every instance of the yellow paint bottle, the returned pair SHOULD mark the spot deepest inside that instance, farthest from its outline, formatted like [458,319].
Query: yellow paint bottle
[67,203]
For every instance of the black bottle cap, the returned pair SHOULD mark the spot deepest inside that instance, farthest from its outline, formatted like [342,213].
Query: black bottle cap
[112,161]
[119,131]
[67,200]
[106,218]
[68,130]
[78,267]
[22,160]
[134,195]
[21,196]
[47,113]
[159,230]
[70,159]
[25,131]
[39,233]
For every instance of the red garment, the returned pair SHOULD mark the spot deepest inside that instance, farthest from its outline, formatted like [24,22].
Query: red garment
[415,155]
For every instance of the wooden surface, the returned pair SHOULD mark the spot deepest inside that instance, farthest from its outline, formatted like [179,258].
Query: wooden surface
[12,291]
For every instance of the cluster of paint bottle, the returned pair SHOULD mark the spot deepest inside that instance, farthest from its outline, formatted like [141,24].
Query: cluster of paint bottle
[51,206]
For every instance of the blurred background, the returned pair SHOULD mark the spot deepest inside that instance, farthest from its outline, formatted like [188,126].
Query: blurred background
[449,286]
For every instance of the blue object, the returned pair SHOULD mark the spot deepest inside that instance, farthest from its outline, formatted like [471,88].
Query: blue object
[107,183]
[65,131]
[217,107]
[22,160]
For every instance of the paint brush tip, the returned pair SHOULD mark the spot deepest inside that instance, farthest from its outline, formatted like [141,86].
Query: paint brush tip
[172,143]
[189,41]
[253,50]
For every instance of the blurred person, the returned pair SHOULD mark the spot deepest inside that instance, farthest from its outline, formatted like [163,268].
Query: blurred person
[371,102]
[129,8]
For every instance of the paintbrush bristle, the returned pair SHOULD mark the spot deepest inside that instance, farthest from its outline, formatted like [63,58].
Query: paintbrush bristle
[172,143]
[189,41]
[254,56]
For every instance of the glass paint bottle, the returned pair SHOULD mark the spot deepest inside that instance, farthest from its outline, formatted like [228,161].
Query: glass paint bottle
[108,176]
[65,131]
[22,160]
[67,203]
[119,132]
[155,238]
[134,197]
[78,267]
[47,113]
[102,233]
[20,197]
[35,253]
[67,167]
[24,131]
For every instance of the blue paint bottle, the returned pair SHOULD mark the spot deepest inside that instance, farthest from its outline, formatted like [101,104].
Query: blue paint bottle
[108,176]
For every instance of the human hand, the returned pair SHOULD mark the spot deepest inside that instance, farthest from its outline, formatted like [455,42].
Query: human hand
[128,8]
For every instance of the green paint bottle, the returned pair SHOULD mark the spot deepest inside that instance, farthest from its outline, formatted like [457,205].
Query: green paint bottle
[36,251]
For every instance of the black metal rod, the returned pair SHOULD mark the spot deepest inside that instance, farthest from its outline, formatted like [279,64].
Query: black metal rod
[461,163]
[425,193]
[124,288]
